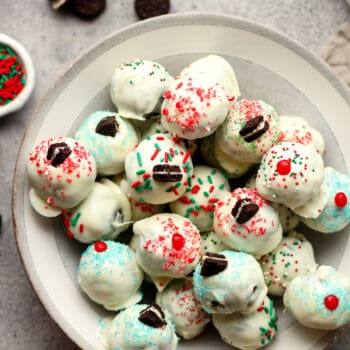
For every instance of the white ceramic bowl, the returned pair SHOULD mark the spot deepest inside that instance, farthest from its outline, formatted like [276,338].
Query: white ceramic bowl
[268,66]
[27,90]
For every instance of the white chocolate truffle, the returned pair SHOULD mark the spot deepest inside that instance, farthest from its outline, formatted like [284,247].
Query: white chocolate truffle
[249,131]
[62,172]
[218,69]
[137,88]
[158,170]
[228,282]
[139,209]
[319,299]
[293,257]
[109,275]
[288,218]
[185,311]
[214,156]
[207,186]
[248,331]
[169,247]
[290,173]
[194,107]
[335,213]
[245,221]
[296,129]
[103,214]
[109,138]
[142,327]
[212,243]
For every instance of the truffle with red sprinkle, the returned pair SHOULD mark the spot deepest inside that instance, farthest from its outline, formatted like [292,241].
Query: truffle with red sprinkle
[319,299]
[169,246]
[159,170]
[290,173]
[61,172]
[184,308]
[245,221]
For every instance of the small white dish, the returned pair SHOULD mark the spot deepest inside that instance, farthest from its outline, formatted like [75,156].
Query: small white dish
[268,65]
[27,90]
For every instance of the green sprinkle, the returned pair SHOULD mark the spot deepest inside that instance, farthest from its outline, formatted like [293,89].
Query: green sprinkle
[140,172]
[210,179]
[139,159]
[222,186]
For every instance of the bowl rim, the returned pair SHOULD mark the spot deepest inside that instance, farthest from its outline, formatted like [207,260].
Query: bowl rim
[24,95]
[178,19]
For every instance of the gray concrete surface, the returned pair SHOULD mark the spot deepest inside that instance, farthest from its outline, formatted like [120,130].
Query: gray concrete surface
[54,40]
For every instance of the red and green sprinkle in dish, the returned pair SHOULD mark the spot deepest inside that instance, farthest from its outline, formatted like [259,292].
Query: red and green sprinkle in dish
[12,79]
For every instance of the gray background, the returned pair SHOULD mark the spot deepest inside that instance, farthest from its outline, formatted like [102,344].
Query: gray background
[54,40]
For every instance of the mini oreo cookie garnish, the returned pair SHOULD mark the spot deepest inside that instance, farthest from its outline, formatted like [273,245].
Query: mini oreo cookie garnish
[86,9]
[212,264]
[151,8]
[153,316]
[108,126]
[254,128]
[167,173]
[244,210]
[58,153]
[12,75]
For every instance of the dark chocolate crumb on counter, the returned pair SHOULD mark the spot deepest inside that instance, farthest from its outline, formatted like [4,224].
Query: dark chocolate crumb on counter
[213,264]
[107,126]
[58,153]
[244,210]
[151,8]
[153,316]
[88,9]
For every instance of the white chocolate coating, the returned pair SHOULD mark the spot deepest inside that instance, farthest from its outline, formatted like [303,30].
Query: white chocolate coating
[319,299]
[109,151]
[137,88]
[109,275]
[297,129]
[239,287]
[290,173]
[257,235]
[185,311]
[68,183]
[103,214]
[208,185]
[333,217]
[294,256]
[211,242]
[288,219]
[127,332]
[168,247]
[214,156]
[248,331]
[155,152]
[218,69]
[194,106]
[229,136]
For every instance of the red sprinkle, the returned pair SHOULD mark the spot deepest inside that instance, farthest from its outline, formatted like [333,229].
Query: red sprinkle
[195,189]
[331,302]
[340,199]
[283,167]
[165,111]
[100,246]
[136,183]
[188,153]
[178,241]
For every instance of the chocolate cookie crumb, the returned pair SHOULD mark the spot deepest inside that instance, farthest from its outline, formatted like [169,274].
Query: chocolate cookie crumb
[151,8]
[107,126]
[88,9]
[58,153]
[254,128]
[212,264]
[153,316]
[244,210]
[167,173]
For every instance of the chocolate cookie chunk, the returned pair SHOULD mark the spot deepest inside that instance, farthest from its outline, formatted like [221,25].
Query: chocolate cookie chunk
[153,316]
[57,4]
[88,9]
[254,128]
[151,8]
[244,210]
[212,264]
[107,126]
[58,153]
[167,173]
